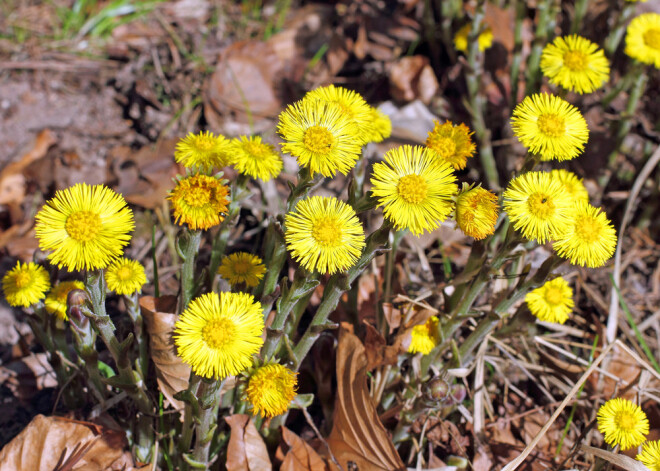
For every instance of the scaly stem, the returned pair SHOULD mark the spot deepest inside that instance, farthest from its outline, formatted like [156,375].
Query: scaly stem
[188,413]
[188,247]
[134,312]
[516,59]
[544,14]
[209,396]
[616,33]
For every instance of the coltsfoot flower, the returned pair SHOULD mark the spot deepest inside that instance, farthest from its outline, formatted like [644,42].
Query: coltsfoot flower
[643,39]
[251,156]
[538,206]
[552,302]
[320,135]
[125,276]
[218,334]
[575,63]
[25,284]
[414,189]
[549,126]
[424,338]
[381,127]
[476,212]
[589,239]
[200,201]
[84,227]
[622,423]
[270,389]
[650,455]
[56,301]
[572,184]
[242,267]
[451,143]
[324,234]
[461,38]
[203,151]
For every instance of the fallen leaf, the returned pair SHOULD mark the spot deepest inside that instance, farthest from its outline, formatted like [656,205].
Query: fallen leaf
[413,78]
[357,433]
[301,456]
[27,376]
[246,450]
[84,447]
[171,372]
[377,350]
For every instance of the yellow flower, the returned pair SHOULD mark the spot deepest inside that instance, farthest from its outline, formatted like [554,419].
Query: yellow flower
[476,212]
[56,301]
[650,455]
[199,201]
[451,144]
[643,39]
[537,206]
[250,156]
[217,335]
[575,63]
[203,151]
[125,276]
[270,389]
[25,284]
[85,227]
[623,423]
[572,184]
[550,126]
[589,238]
[352,106]
[320,136]
[381,126]
[424,337]
[242,267]
[414,189]
[461,38]
[552,302]
[324,234]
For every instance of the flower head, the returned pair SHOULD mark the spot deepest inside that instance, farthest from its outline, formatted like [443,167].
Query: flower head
[84,227]
[650,455]
[25,284]
[381,126]
[414,189]
[451,143]
[572,184]
[352,106]
[271,388]
[203,151]
[552,302]
[623,423]
[324,234]
[424,337]
[550,126]
[56,301]
[461,38]
[242,267]
[575,63]
[199,201]
[251,156]
[476,212]
[589,238]
[320,135]
[643,39]
[125,276]
[537,206]
[217,335]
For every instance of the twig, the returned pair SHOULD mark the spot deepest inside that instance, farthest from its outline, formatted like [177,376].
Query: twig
[311,423]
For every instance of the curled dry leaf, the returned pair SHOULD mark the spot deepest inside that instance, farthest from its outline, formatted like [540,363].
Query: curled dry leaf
[413,78]
[48,439]
[172,374]
[357,433]
[377,350]
[247,450]
[301,456]
[27,376]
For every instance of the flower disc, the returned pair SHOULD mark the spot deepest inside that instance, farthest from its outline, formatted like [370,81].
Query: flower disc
[270,389]
[242,267]
[250,156]
[623,423]
[552,302]
[125,276]
[25,284]
[199,201]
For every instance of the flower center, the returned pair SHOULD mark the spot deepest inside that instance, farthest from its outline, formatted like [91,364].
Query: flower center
[254,149]
[625,420]
[124,273]
[83,226]
[204,143]
[652,38]
[540,205]
[22,280]
[241,268]
[553,296]
[318,139]
[446,147]
[575,60]
[412,188]
[219,333]
[588,229]
[327,232]
[551,125]
[196,197]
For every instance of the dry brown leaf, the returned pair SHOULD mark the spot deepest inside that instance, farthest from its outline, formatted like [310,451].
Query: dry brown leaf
[41,444]
[27,376]
[411,78]
[301,456]
[377,350]
[624,368]
[172,373]
[247,450]
[357,433]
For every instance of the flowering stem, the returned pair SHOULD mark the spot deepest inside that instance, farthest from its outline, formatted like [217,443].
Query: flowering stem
[206,423]
[613,40]
[191,407]
[516,59]
[533,79]
[275,256]
[579,11]
[134,312]
[188,246]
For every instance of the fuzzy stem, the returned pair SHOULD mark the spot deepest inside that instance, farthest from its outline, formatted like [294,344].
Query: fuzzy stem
[614,39]
[187,428]
[188,245]
[579,10]
[133,310]
[209,395]
[516,59]
[544,11]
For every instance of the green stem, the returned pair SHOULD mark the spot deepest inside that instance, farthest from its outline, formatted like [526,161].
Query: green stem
[209,396]
[579,10]
[134,312]
[516,59]
[275,255]
[188,247]
[188,413]
[544,14]
[616,35]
